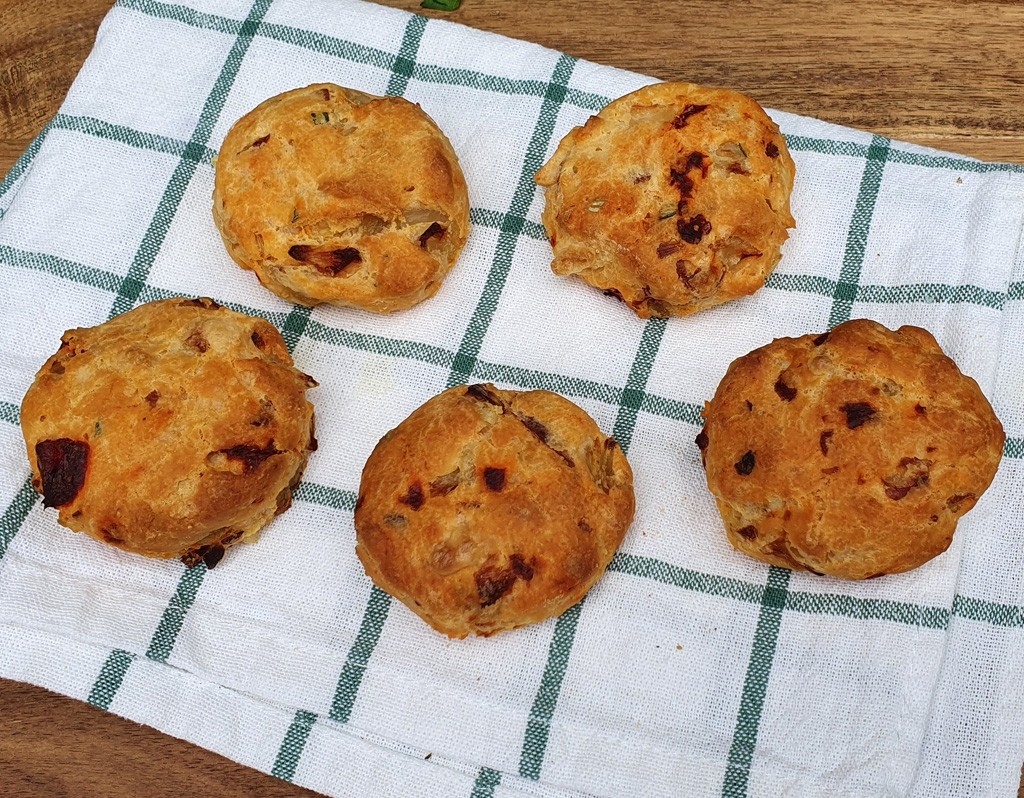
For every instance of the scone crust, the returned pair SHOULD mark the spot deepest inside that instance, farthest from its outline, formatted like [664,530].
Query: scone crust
[173,430]
[333,195]
[487,509]
[852,453]
[673,198]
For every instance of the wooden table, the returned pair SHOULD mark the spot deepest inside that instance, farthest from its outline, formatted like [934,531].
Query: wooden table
[937,72]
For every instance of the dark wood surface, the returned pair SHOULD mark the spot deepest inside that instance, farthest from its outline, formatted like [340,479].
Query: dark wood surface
[947,74]
[55,747]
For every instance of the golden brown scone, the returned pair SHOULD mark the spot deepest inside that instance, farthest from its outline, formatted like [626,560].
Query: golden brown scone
[487,509]
[173,430]
[332,195]
[673,198]
[851,453]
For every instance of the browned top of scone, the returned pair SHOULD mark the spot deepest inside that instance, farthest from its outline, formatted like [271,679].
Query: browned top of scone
[333,195]
[175,425]
[851,453]
[488,509]
[674,197]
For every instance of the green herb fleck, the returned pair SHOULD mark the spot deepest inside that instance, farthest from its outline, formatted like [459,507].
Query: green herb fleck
[97,429]
[295,215]
[441,5]
[321,118]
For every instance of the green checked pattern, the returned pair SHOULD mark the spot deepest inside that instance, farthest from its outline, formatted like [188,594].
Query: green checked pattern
[528,379]
[769,621]
[351,678]
[174,615]
[839,605]
[485,783]
[9,413]
[511,226]
[192,155]
[116,667]
[113,671]
[461,359]
[927,293]
[538,727]
[184,15]
[755,686]
[376,612]
[845,291]
[15,514]
[401,69]
[194,151]
[111,676]
[294,741]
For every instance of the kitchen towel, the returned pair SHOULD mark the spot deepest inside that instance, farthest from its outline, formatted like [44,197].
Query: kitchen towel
[689,670]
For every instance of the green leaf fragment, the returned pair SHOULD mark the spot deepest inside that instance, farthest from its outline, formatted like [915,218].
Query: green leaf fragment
[97,429]
[441,5]
[320,118]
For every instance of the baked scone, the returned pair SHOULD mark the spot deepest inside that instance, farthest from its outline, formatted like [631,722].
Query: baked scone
[488,509]
[332,195]
[173,430]
[673,198]
[851,453]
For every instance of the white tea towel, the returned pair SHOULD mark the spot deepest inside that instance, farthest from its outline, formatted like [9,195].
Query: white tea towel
[689,670]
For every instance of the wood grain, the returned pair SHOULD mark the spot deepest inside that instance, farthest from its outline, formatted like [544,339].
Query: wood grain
[64,748]
[943,74]
[41,50]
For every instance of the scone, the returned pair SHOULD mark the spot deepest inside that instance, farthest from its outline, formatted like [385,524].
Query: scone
[488,509]
[332,195]
[173,430]
[673,198]
[851,453]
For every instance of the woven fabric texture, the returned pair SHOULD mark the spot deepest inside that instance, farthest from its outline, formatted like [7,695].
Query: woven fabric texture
[689,669]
